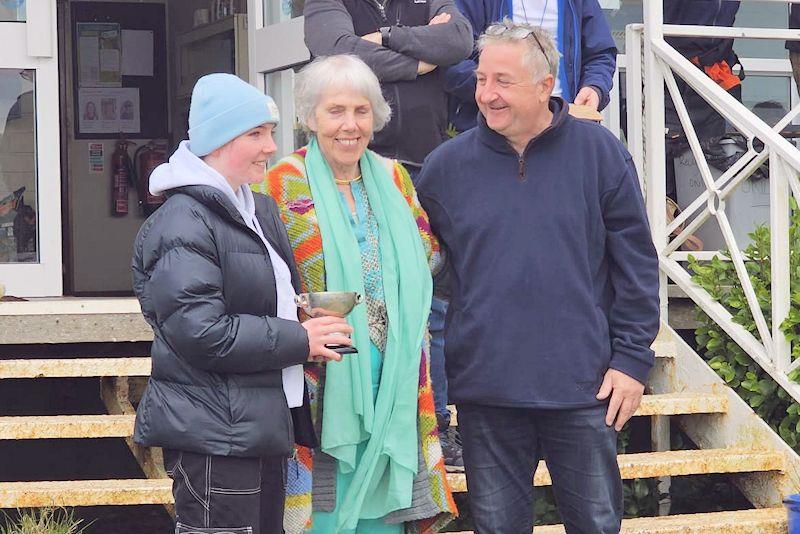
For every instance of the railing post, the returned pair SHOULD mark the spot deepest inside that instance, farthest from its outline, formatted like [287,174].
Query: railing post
[655,150]
[779,221]
[633,91]
[660,438]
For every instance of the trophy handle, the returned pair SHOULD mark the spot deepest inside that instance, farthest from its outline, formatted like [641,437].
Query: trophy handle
[302,301]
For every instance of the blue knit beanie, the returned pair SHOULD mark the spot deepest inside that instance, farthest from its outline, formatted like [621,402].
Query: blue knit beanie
[224,107]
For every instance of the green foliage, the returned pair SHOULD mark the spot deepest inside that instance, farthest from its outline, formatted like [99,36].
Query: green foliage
[640,497]
[44,521]
[739,371]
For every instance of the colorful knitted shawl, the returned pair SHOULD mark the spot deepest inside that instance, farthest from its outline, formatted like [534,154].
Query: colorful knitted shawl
[287,183]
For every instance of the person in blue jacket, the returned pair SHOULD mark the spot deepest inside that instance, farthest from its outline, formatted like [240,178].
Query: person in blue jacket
[588,53]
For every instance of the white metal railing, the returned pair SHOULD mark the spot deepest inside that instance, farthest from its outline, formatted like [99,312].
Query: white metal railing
[653,64]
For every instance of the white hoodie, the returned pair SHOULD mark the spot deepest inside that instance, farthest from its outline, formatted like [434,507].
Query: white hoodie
[184,168]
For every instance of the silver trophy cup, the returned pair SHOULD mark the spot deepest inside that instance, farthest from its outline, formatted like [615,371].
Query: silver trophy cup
[336,303]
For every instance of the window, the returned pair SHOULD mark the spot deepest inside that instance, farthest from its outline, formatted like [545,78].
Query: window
[627,12]
[276,11]
[12,11]
[767,96]
[288,135]
[18,191]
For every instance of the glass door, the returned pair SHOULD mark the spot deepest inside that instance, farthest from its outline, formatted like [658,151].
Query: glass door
[30,173]
[275,46]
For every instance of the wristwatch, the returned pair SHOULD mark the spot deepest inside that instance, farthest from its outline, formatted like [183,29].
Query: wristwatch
[386,32]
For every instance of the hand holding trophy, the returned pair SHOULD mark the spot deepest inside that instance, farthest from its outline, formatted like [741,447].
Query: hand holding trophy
[332,304]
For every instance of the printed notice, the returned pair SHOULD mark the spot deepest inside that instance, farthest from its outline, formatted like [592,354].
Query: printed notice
[99,54]
[109,110]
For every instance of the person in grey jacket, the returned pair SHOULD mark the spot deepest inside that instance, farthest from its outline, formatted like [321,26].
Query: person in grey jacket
[405,42]
[215,277]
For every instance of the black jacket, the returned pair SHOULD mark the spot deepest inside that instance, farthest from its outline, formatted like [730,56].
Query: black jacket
[419,103]
[206,286]
[708,50]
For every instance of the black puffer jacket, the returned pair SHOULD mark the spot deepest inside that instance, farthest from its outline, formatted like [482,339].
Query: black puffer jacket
[206,286]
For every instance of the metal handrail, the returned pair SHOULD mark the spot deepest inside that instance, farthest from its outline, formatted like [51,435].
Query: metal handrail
[653,64]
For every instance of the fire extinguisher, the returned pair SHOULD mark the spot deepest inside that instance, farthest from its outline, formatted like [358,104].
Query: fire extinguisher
[121,168]
[147,158]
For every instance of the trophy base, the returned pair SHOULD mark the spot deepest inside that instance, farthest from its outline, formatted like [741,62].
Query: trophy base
[341,349]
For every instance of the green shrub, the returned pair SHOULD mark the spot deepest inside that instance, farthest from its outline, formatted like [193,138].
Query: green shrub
[739,371]
[44,521]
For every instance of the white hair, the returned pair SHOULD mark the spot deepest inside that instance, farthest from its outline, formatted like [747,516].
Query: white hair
[541,54]
[340,71]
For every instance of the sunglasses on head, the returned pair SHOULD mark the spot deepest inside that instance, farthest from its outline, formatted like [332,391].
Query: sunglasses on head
[519,32]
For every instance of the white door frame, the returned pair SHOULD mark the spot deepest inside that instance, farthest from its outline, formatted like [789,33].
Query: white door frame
[34,45]
[275,44]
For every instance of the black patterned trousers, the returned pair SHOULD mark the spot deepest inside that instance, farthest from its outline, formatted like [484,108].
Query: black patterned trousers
[226,494]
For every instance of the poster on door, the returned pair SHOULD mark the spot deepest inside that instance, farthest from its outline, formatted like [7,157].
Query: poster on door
[109,110]
[99,54]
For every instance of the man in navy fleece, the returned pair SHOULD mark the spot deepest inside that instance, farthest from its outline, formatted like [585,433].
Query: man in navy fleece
[554,293]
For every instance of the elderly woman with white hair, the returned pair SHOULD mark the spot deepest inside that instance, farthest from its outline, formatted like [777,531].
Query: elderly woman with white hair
[355,224]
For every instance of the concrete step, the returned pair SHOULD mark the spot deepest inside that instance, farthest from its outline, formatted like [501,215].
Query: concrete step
[89,367]
[666,404]
[683,404]
[763,521]
[74,367]
[113,426]
[159,491]
[671,463]
[85,493]
[66,426]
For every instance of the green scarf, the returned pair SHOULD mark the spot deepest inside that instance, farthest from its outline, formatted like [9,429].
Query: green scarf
[383,476]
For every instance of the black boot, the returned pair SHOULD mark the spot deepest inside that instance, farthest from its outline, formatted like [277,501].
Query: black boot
[451,443]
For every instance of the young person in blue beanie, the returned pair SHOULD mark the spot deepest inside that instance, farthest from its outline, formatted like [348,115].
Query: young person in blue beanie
[216,279]
[554,293]
[588,55]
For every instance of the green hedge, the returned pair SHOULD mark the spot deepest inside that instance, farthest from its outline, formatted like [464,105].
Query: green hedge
[739,371]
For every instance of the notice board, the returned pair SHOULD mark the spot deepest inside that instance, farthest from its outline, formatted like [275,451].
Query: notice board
[119,70]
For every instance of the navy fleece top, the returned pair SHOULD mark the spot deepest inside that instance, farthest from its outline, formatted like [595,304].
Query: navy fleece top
[554,275]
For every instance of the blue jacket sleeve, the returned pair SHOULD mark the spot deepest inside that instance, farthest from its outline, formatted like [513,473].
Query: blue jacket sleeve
[633,319]
[598,51]
[459,80]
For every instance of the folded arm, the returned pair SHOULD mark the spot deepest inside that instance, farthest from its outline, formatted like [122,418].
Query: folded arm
[329,30]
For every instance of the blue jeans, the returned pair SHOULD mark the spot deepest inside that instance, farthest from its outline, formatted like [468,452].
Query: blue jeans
[502,447]
[438,375]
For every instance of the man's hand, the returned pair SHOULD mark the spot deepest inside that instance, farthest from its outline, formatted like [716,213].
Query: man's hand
[588,97]
[374,37]
[626,394]
[326,330]
[441,18]
[424,68]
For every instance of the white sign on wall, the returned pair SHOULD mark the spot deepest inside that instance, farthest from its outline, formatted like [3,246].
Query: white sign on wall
[108,110]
